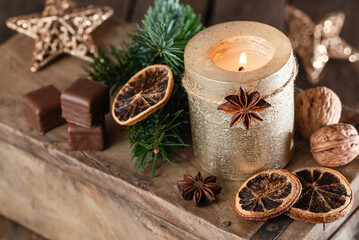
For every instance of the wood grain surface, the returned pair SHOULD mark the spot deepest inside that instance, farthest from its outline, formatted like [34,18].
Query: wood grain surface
[104,183]
[14,8]
[10,230]
[52,202]
[349,230]
[270,12]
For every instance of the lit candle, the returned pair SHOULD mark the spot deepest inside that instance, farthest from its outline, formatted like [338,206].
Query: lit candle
[212,60]
[233,53]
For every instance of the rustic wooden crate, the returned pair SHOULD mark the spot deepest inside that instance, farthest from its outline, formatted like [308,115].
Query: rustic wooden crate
[63,194]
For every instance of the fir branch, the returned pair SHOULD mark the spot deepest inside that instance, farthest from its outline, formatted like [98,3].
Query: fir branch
[165,32]
[115,69]
[152,137]
[160,39]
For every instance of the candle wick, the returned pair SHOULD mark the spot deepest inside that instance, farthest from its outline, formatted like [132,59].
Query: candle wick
[241,68]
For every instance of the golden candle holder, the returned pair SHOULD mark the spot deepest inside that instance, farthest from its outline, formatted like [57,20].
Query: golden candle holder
[235,152]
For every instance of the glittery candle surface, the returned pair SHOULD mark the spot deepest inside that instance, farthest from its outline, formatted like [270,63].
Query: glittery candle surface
[234,152]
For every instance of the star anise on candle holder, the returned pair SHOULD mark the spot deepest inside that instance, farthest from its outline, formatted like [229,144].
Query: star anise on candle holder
[197,189]
[244,105]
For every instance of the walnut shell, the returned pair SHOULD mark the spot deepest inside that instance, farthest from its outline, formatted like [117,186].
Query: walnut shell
[335,145]
[315,108]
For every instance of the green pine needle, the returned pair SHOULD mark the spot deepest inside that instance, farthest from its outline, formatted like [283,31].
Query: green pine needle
[151,137]
[160,39]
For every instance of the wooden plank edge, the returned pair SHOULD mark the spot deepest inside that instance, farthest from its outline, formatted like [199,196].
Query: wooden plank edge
[349,230]
[316,231]
[53,224]
[147,201]
[13,230]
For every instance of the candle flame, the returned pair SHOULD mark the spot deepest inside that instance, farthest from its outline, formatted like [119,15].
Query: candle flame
[242,60]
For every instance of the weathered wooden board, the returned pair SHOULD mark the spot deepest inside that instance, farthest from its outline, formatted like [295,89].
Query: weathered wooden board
[11,230]
[104,181]
[56,205]
[349,230]
[121,8]
[13,8]
[295,229]
[270,12]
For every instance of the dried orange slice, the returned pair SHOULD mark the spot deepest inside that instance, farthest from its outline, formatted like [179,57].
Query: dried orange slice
[326,196]
[146,92]
[267,194]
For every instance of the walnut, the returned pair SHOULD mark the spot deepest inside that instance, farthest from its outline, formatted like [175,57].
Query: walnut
[315,108]
[335,145]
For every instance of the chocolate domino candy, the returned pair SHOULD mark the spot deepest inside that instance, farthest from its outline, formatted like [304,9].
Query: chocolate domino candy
[42,108]
[85,102]
[85,139]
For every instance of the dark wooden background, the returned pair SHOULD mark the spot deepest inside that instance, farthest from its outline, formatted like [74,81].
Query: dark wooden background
[216,11]
[212,11]
[341,76]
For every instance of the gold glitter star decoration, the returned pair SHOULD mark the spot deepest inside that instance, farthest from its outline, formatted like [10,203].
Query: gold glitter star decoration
[316,43]
[61,28]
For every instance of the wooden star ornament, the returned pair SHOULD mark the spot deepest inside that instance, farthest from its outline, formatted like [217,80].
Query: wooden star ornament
[316,43]
[61,28]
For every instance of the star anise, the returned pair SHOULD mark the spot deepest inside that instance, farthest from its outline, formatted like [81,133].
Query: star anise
[244,105]
[197,189]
